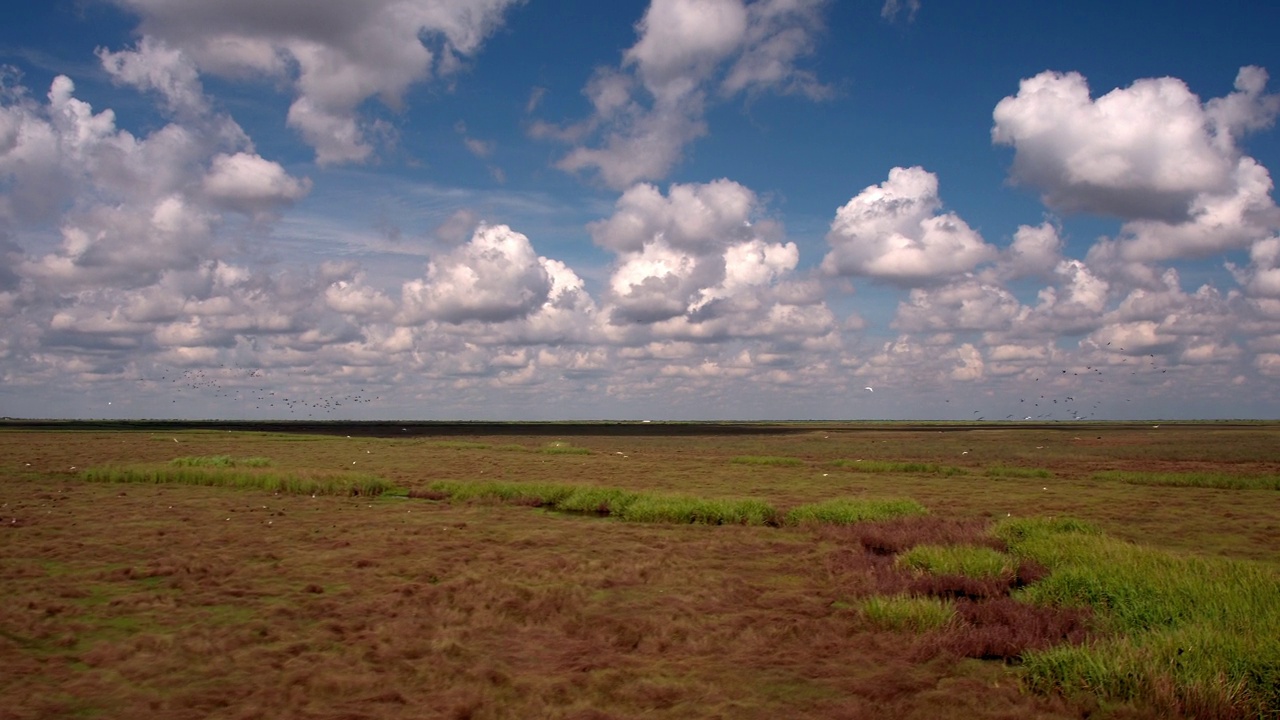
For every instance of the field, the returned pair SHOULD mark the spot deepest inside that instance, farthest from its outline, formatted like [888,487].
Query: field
[598,571]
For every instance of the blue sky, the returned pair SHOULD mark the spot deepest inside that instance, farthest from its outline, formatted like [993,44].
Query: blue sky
[678,209]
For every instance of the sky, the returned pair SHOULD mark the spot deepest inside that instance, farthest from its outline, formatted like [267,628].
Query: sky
[664,210]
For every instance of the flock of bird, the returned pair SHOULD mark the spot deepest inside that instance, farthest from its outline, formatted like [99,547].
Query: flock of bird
[1084,401]
[1062,395]
[245,386]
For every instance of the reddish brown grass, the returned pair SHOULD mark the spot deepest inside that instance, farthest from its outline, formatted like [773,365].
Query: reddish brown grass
[188,602]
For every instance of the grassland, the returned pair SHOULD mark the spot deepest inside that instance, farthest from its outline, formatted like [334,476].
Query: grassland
[1111,571]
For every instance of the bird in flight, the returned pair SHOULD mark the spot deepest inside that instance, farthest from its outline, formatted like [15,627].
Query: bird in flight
[869,389]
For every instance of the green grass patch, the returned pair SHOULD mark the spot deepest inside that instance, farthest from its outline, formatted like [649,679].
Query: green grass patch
[888,466]
[1005,471]
[505,492]
[1225,481]
[846,511]
[905,613]
[679,509]
[220,461]
[623,504]
[970,561]
[1194,635]
[766,460]
[250,479]
[605,501]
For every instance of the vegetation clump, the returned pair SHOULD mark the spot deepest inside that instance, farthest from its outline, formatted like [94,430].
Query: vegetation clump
[659,507]
[887,466]
[220,461]
[680,509]
[1006,471]
[847,511]
[298,484]
[1193,635]
[969,561]
[614,502]
[907,613]
[1224,481]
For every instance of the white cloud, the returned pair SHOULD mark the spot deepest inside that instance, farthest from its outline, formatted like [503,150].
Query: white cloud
[338,55]
[963,305]
[495,277]
[250,184]
[1151,154]
[1141,151]
[648,110]
[894,232]
[128,208]
[682,41]
[1262,277]
[156,66]
[1217,222]
[778,34]
[1074,304]
[696,217]
[700,263]
[356,298]
[893,8]
[1034,252]
[656,283]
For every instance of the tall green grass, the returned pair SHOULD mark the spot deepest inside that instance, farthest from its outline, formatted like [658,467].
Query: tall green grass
[219,461]
[507,492]
[968,560]
[847,511]
[601,500]
[1005,471]
[1196,636]
[907,613]
[887,466]
[1225,481]
[679,509]
[615,502]
[312,484]
[658,507]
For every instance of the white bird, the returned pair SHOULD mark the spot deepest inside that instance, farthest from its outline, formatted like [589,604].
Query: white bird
[868,388]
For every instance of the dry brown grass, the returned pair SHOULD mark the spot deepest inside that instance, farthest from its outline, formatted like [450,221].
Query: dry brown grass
[192,602]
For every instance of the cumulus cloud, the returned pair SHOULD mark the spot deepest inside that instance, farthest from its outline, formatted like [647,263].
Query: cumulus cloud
[653,105]
[656,283]
[1217,222]
[963,305]
[1197,326]
[1034,252]
[353,296]
[1073,304]
[701,262]
[894,232]
[128,208]
[337,55]
[155,66]
[1261,278]
[1151,154]
[495,277]
[696,216]
[251,184]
